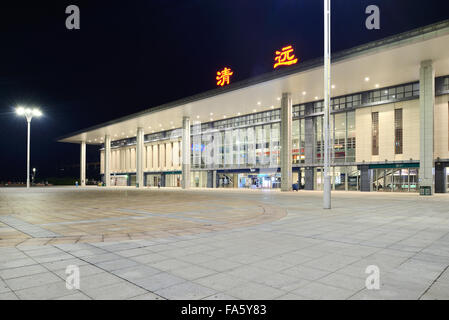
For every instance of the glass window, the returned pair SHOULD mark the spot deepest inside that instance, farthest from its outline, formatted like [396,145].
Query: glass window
[350,142]
[398,131]
[375,133]
[295,142]
[275,144]
[339,137]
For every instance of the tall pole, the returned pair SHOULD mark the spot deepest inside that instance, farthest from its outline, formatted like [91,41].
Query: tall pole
[28,154]
[327,84]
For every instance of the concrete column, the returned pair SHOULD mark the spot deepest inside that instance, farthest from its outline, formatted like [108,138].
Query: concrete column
[139,158]
[440,178]
[427,103]
[107,160]
[83,164]
[185,152]
[286,142]
[214,179]
[309,178]
[210,179]
[366,179]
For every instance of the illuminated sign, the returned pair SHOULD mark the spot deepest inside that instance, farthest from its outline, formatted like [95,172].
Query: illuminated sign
[223,76]
[284,57]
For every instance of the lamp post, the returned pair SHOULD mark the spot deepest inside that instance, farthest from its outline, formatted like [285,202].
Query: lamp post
[327,84]
[29,114]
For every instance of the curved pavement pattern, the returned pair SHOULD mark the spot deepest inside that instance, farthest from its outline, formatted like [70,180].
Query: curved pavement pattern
[67,215]
[221,244]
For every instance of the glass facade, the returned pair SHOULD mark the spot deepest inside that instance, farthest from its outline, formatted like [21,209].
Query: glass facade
[400,92]
[375,133]
[398,143]
[395,179]
[240,147]
[244,144]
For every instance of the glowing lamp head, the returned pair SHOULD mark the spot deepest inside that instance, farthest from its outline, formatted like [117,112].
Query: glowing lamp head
[20,111]
[28,112]
[36,112]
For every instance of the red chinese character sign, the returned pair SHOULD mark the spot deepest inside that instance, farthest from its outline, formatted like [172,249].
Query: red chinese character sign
[224,76]
[285,57]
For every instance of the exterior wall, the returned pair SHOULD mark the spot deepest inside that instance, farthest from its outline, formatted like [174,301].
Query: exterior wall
[158,156]
[102,162]
[441,129]
[410,111]
[165,155]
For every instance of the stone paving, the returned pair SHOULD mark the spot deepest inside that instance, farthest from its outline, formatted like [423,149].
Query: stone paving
[221,244]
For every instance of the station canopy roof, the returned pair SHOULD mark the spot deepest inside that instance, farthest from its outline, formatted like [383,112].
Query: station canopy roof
[390,61]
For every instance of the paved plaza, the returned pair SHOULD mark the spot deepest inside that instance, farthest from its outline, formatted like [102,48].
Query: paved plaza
[221,244]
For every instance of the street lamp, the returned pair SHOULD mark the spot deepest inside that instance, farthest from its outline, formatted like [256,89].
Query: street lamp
[29,114]
[34,175]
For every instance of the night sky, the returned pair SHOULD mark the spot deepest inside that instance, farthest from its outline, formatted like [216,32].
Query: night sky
[132,55]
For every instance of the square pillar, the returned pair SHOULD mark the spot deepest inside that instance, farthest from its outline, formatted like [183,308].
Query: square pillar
[366,178]
[440,178]
[309,178]
[286,142]
[427,103]
[107,160]
[185,152]
[139,158]
[83,164]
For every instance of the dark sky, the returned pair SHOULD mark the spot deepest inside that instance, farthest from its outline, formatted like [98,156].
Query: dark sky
[131,55]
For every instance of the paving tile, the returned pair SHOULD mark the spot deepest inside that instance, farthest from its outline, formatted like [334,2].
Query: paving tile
[170,264]
[291,296]
[147,296]
[136,272]
[254,291]
[75,296]
[3,287]
[102,258]
[98,280]
[119,291]
[62,264]
[84,271]
[21,262]
[438,291]
[317,290]
[21,271]
[132,252]
[8,296]
[220,281]
[116,264]
[32,281]
[192,272]
[158,281]
[306,273]
[150,258]
[220,296]
[45,291]
[281,281]
[185,291]
[219,265]
[343,281]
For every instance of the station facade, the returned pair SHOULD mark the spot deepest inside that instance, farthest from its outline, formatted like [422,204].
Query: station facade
[389,127]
